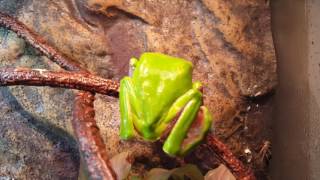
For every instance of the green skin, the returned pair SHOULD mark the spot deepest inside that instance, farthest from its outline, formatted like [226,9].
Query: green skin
[161,91]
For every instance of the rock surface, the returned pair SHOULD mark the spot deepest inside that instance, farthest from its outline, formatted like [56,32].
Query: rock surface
[229,42]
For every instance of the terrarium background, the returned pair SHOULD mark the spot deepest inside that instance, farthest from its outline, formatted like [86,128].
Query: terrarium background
[229,42]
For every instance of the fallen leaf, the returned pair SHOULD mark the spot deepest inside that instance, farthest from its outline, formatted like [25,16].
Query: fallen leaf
[220,173]
[121,165]
[189,170]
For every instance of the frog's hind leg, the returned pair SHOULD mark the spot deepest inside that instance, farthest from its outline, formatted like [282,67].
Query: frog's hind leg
[197,131]
[190,128]
[173,143]
[125,95]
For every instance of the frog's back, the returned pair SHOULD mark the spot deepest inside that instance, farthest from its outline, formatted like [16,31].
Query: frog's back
[166,63]
[159,80]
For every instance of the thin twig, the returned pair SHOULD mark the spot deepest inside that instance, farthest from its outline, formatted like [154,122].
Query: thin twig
[233,131]
[233,163]
[71,80]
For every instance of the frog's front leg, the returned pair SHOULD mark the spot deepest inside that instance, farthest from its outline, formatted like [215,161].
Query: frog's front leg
[192,124]
[127,98]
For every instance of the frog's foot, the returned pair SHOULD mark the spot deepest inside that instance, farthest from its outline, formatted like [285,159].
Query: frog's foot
[197,131]
[190,128]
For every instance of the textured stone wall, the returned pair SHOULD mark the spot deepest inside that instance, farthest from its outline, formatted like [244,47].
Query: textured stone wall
[228,41]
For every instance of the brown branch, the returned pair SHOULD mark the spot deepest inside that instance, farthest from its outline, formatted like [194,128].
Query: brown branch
[39,43]
[92,147]
[90,141]
[72,80]
[233,163]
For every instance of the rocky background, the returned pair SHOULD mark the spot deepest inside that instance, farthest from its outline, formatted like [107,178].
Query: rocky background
[229,42]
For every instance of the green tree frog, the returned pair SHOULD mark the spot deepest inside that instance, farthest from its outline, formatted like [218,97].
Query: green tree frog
[159,96]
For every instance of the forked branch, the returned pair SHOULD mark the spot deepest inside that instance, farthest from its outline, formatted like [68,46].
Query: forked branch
[90,142]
